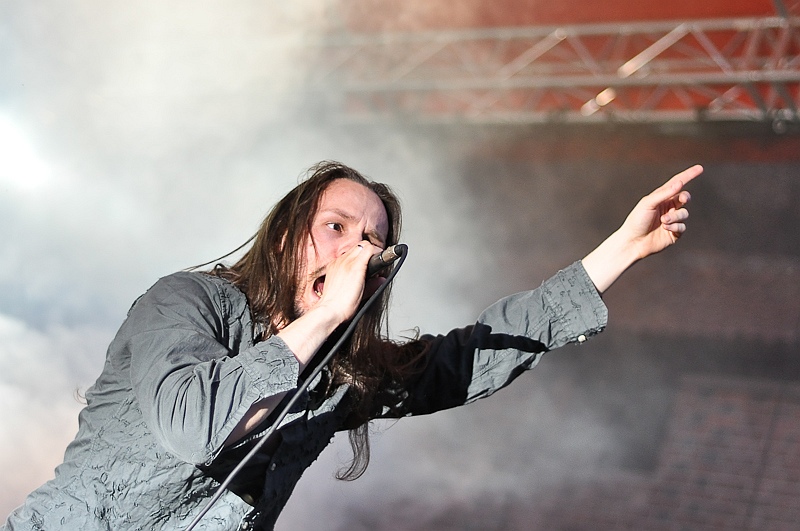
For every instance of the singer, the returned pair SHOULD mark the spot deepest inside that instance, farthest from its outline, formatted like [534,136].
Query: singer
[201,364]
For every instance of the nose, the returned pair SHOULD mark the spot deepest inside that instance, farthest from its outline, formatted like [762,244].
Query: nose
[347,243]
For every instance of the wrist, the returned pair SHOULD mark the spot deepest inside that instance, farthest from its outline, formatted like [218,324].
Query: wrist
[610,259]
[328,315]
[624,249]
[305,334]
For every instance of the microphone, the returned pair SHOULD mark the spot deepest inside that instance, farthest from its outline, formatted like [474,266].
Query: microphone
[382,260]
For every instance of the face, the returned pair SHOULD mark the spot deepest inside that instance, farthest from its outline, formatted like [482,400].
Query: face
[348,213]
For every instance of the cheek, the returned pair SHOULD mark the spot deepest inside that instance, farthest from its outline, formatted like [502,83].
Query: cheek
[314,255]
[322,246]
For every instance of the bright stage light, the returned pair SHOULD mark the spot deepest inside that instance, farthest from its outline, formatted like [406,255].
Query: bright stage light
[20,168]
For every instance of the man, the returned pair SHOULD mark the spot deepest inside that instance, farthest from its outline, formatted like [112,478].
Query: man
[199,368]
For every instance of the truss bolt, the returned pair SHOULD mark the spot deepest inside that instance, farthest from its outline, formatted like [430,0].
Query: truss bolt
[779,126]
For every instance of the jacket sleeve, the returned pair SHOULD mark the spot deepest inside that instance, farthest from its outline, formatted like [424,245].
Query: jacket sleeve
[191,385]
[508,338]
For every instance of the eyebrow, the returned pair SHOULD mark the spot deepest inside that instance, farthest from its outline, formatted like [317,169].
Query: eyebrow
[349,217]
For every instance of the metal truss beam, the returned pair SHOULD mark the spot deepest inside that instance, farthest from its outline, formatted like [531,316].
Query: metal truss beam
[721,69]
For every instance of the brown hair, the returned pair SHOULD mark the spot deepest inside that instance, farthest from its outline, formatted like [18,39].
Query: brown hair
[268,275]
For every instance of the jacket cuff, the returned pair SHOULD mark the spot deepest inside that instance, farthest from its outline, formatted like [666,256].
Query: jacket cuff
[272,367]
[577,303]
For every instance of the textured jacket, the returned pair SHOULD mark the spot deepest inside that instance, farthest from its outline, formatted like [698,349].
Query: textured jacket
[184,369]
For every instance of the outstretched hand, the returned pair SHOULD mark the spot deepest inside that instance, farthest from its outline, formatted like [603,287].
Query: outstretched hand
[655,223]
[659,218]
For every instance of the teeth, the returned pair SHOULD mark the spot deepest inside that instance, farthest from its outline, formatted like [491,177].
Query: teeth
[318,286]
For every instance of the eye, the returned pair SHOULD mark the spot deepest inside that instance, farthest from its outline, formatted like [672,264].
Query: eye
[335,226]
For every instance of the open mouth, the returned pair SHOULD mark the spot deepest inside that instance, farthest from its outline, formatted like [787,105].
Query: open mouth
[319,285]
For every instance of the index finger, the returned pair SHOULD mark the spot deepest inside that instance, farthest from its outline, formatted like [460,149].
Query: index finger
[688,174]
[674,185]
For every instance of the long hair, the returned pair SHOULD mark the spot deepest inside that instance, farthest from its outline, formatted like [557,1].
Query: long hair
[269,273]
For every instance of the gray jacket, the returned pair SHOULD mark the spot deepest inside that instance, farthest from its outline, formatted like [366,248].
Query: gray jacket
[184,369]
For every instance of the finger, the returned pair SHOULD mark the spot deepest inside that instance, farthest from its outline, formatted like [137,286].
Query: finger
[350,262]
[674,221]
[672,187]
[675,228]
[674,216]
[366,244]
[684,197]
[689,173]
[346,260]
[361,251]
[361,254]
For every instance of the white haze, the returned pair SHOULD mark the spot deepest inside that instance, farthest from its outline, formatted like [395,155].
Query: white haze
[139,138]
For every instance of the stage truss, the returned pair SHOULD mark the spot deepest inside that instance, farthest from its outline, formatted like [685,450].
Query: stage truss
[678,71]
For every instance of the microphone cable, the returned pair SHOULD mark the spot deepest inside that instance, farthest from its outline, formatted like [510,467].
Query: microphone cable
[401,250]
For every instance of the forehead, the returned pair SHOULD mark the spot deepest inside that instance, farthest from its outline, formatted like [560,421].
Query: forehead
[356,202]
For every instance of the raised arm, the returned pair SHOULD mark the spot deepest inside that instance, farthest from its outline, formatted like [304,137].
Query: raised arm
[655,223]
